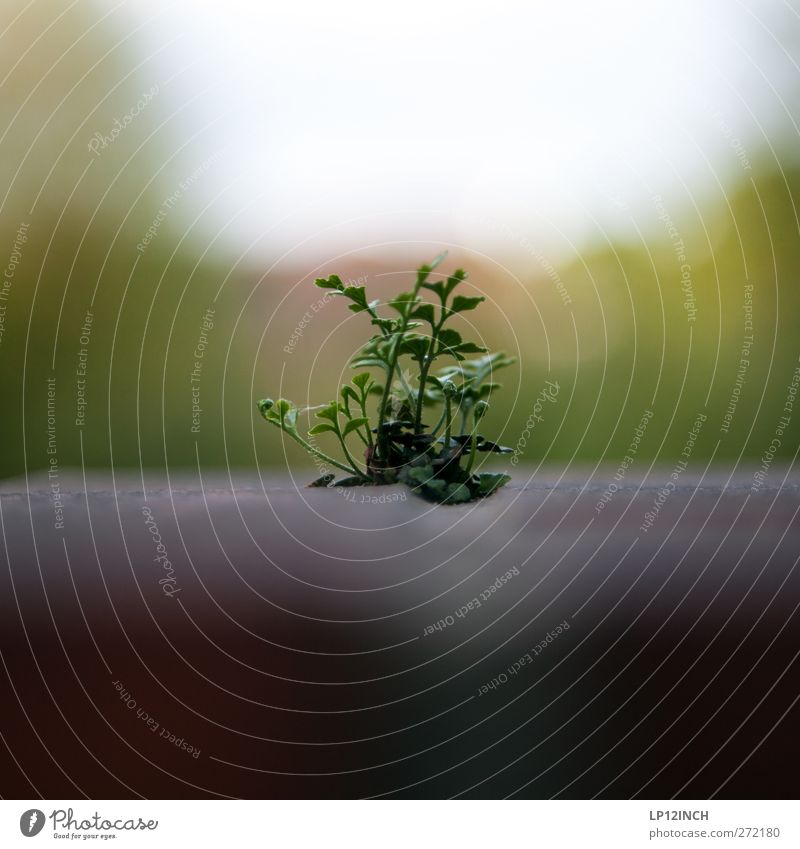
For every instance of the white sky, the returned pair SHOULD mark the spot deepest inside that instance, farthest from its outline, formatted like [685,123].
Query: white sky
[426,117]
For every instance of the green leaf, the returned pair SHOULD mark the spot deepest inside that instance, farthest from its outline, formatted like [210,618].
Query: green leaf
[348,394]
[416,346]
[368,362]
[332,282]
[403,303]
[444,288]
[488,482]
[358,295]
[437,287]
[290,418]
[439,258]
[265,406]
[361,380]
[462,303]
[330,412]
[470,348]
[387,324]
[424,270]
[449,339]
[457,493]
[458,276]
[281,412]
[486,445]
[486,390]
[321,428]
[449,389]
[354,424]
[425,312]
[420,474]
[474,372]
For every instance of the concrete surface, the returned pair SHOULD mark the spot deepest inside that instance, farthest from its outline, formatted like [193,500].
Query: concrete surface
[171,636]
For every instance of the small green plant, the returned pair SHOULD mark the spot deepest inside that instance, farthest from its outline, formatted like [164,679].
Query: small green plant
[436,462]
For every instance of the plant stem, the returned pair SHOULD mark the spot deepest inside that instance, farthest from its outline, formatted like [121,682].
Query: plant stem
[321,454]
[464,416]
[421,278]
[449,419]
[423,376]
[385,398]
[406,388]
[363,404]
[441,421]
[473,444]
[426,366]
[353,464]
[390,372]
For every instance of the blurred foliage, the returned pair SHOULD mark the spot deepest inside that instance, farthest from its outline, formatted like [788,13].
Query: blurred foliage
[624,344]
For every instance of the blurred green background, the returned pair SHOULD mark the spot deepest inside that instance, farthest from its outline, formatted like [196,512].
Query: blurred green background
[609,320]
